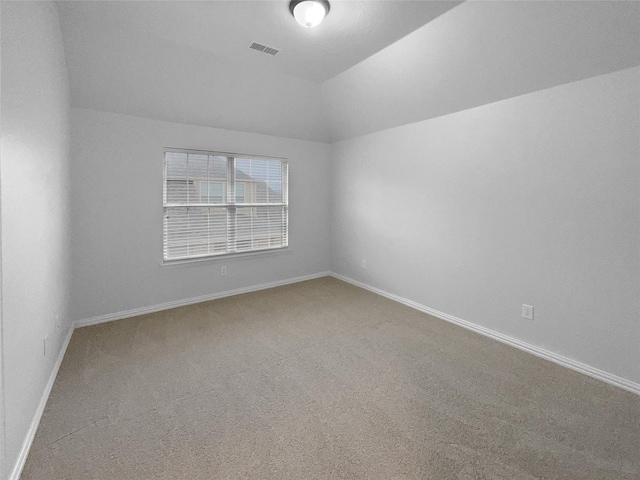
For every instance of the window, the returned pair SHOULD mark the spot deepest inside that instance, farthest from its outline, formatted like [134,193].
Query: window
[211,192]
[239,192]
[220,203]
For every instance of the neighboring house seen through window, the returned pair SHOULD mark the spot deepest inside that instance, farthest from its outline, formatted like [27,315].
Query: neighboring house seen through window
[239,192]
[211,192]
[221,203]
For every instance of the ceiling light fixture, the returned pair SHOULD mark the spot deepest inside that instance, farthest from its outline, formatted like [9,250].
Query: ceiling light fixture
[309,13]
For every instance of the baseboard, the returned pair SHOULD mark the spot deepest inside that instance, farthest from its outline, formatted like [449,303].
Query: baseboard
[31,433]
[514,342]
[190,301]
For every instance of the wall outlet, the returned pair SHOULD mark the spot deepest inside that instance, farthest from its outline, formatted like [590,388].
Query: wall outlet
[364,264]
[223,270]
[58,322]
[527,311]
[44,345]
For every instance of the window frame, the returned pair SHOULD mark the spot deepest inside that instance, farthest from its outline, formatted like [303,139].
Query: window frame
[229,203]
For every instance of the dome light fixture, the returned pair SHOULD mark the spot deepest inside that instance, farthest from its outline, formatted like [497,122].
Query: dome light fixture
[309,13]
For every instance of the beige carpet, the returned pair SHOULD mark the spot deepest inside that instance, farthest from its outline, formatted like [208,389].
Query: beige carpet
[322,380]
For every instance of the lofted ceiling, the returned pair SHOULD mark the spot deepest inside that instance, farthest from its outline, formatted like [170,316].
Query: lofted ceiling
[370,65]
[190,62]
[479,53]
[353,30]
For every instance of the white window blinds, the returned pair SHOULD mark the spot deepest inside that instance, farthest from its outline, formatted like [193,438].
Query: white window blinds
[221,203]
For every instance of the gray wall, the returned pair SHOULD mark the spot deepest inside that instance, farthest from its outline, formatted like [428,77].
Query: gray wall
[117,213]
[35,217]
[530,200]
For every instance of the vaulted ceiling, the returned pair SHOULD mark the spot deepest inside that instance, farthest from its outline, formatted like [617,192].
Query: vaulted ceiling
[351,32]
[190,62]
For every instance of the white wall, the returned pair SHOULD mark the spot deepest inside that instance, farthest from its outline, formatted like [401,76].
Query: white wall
[478,53]
[531,200]
[117,213]
[35,218]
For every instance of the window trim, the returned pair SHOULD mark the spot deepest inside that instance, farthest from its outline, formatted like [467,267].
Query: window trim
[185,262]
[231,157]
[220,153]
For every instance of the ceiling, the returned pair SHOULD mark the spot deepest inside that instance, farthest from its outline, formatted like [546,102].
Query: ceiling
[370,65]
[353,30]
[478,53]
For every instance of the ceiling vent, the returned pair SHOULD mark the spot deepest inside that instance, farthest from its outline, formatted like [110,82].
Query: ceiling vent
[263,48]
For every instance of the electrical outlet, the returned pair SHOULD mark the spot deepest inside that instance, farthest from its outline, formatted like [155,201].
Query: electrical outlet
[223,270]
[527,311]
[364,264]
[58,321]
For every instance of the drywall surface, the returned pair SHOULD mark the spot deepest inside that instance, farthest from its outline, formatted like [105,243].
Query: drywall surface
[132,72]
[35,219]
[532,200]
[117,213]
[478,53]
[226,29]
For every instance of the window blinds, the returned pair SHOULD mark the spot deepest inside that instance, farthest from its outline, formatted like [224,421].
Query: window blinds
[216,204]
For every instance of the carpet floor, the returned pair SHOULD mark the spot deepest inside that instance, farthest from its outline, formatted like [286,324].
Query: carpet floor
[322,380]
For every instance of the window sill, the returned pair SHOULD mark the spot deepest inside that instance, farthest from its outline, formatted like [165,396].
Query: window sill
[227,256]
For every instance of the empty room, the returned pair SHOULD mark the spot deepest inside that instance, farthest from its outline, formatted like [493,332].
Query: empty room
[319,239]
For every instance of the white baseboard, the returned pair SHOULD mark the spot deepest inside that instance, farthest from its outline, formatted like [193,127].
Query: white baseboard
[514,342]
[109,317]
[31,433]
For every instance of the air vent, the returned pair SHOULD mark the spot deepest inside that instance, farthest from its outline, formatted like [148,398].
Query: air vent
[263,48]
